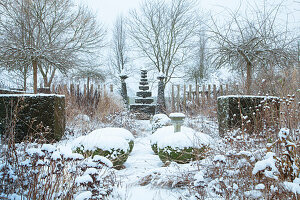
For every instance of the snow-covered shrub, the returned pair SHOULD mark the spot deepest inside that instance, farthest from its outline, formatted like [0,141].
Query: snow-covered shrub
[285,162]
[180,147]
[172,176]
[122,119]
[95,182]
[159,120]
[44,172]
[113,143]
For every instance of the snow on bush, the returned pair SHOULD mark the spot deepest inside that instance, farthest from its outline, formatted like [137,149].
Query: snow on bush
[181,147]
[267,166]
[113,143]
[293,186]
[159,120]
[46,172]
[86,195]
[82,118]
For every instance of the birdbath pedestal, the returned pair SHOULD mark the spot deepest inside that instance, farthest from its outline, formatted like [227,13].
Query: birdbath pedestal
[177,120]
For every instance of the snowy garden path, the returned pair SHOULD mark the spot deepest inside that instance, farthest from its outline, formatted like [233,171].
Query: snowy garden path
[141,160]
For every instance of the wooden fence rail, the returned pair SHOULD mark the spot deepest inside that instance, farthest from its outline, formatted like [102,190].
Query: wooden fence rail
[183,98]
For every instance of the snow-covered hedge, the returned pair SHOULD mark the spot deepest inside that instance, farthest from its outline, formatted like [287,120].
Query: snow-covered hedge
[159,120]
[235,111]
[35,113]
[181,147]
[113,143]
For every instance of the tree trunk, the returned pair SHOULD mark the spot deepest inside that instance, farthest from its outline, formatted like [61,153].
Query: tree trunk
[249,78]
[34,66]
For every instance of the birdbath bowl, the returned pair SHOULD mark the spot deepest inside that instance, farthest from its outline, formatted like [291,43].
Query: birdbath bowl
[177,120]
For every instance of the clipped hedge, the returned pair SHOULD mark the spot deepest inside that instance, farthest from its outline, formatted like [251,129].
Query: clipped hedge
[39,113]
[232,108]
[117,156]
[113,143]
[181,155]
[180,147]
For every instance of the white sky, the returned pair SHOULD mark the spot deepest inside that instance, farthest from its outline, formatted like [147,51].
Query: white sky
[108,10]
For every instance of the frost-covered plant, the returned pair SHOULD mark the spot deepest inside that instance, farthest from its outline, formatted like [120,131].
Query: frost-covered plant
[122,119]
[43,172]
[286,158]
[172,176]
[96,182]
[113,143]
[159,120]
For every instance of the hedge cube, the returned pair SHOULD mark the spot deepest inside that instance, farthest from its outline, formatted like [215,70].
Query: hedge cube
[234,110]
[32,111]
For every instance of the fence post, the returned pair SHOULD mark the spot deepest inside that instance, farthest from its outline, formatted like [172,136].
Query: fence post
[215,91]
[99,91]
[203,95]
[53,88]
[227,89]
[178,98]
[66,89]
[190,93]
[84,90]
[172,99]
[197,95]
[104,90]
[208,94]
[78,90]
[72,89]
[184,97]
[236,89]
[221,90]
[92,93]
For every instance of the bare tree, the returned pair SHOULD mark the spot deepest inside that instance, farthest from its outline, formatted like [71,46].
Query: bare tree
[162,32]
[48,35]
[119,57]
[252,41]
[200,65]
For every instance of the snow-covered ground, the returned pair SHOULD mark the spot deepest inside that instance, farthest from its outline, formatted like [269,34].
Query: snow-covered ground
[146,177]
[229,171]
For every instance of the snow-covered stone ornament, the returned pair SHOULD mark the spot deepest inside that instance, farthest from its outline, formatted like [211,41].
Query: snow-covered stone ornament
[177,120]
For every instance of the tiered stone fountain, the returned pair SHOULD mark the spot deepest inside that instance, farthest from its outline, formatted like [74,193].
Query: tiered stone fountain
[143,107]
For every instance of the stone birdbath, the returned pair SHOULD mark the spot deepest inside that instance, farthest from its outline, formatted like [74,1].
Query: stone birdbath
[177,120]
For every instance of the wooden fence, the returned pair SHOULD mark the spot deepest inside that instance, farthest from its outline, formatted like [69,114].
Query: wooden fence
[86,97]
[79,90]
[183,98]
[180,98]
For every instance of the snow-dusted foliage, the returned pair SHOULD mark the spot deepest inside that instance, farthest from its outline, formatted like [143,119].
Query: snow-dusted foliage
[159,120]
[112,143]
[46,172]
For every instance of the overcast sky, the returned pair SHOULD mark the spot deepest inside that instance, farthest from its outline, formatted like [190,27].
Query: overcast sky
[108,10]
